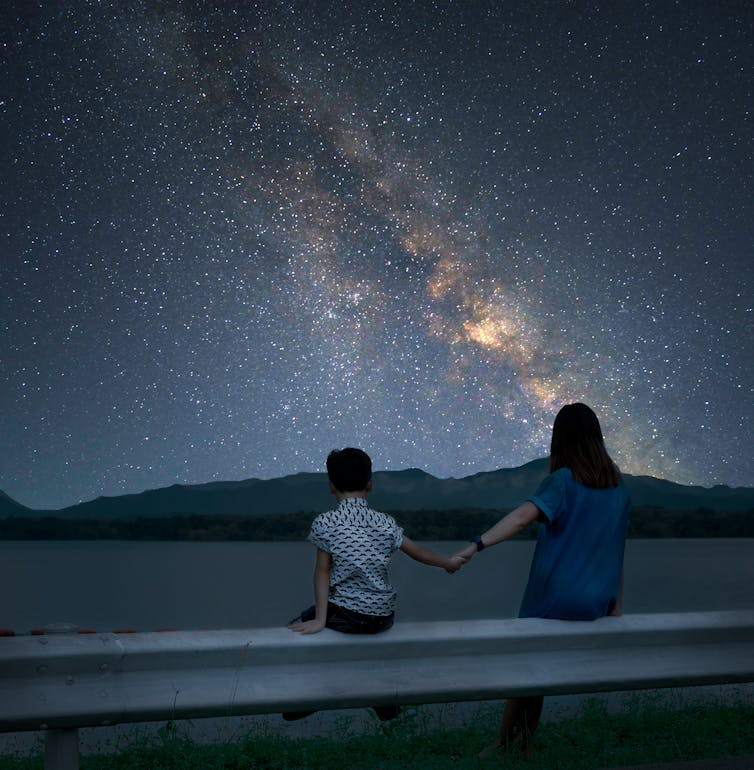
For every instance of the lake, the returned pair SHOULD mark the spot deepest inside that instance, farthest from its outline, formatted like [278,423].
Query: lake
[150,585]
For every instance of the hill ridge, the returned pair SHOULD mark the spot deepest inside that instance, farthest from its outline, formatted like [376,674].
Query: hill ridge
[405,489]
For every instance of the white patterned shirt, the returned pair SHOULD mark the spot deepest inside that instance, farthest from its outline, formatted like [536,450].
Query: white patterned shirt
[361,543]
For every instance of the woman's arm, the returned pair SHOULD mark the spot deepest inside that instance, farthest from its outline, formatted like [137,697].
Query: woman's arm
[511,524]
[426,555]
[321,595]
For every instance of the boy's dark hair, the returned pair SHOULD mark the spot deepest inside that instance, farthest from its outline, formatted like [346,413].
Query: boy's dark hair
[577,444]
[349,469]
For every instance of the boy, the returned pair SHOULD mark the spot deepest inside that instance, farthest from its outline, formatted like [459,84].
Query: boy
[352,590]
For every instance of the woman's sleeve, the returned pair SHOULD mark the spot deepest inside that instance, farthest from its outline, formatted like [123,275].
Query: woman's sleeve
[550,494]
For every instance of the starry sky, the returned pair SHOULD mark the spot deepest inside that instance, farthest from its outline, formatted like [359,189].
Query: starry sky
[237,235]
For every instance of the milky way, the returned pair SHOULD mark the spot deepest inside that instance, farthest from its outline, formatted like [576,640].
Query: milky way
[237,237]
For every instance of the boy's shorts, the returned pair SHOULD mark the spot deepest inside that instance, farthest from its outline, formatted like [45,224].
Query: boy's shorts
[349,621]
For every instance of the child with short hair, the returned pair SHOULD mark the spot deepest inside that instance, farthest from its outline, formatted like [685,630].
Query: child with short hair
[355,544]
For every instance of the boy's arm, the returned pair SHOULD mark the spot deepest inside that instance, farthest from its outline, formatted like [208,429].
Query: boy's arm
[432,558]
[321,595]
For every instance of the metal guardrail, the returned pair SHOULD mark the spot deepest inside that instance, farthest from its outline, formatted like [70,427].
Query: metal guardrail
[62,682]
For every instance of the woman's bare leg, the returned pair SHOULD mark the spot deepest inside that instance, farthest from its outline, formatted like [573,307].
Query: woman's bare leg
[520,719]
[527,719]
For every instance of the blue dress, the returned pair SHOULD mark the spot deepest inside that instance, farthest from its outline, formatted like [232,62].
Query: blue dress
[576,570]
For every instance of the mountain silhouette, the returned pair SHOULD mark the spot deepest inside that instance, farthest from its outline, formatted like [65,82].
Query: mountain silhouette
[9,507]
[410,489]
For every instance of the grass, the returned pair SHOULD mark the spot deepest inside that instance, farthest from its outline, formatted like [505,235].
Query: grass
[593,739]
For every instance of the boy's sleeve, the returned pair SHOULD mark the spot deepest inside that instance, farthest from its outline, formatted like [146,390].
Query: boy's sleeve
[397,536]
[550,495]
[318,535]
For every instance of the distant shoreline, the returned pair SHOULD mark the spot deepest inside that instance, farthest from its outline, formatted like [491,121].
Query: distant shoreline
[419,524]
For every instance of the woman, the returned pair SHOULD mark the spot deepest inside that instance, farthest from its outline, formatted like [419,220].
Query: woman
[577,568]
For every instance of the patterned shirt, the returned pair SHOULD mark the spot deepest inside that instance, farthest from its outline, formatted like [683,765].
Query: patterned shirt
[361,543]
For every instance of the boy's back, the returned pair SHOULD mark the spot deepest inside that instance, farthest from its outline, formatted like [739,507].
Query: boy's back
[361,543]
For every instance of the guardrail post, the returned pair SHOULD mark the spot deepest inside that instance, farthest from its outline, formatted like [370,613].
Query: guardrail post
[61,745]
[62,749]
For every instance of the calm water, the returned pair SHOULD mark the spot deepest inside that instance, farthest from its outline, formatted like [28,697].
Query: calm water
[106,585]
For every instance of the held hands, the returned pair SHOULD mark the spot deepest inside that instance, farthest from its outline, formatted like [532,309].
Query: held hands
[454,563]
[457,560]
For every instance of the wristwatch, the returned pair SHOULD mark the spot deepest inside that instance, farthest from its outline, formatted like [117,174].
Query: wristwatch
[480,546]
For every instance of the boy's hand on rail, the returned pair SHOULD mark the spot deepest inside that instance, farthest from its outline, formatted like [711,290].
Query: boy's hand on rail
[308,626]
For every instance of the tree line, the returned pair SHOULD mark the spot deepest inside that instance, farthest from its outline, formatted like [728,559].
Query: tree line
[644,522]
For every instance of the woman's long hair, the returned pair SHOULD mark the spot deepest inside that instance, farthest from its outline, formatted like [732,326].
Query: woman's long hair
[577,444]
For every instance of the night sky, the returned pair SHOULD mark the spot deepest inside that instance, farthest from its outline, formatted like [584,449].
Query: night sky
[237,235]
